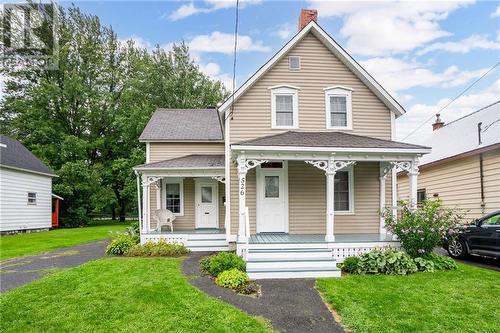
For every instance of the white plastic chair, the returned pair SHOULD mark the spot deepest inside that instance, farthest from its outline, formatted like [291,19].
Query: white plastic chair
[164,217]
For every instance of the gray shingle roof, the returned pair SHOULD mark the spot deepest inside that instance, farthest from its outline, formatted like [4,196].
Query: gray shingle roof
[326,139]
[188,161]
[183,125]
[16,155]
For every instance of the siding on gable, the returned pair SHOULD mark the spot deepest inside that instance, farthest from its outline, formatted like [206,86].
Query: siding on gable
[319,69]
[159,151]
[15,213]
[307,200]
[457,183]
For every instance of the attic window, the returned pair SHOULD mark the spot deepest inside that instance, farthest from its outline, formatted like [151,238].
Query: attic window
[31,198]
[294,63]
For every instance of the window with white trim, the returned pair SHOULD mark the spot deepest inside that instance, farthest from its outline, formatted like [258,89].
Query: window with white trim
[343,191]
[31,198]
[284,105]
[294,63]
[338,102]
[174,196]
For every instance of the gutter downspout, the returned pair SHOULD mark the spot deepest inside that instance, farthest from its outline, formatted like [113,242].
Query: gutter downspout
[139,199]
[481,169]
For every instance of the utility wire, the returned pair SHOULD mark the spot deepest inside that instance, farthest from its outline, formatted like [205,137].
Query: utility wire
[453,100]
[236,23]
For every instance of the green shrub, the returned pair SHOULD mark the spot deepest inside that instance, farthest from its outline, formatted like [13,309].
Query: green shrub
[350,264]
[223,261]
[232,278]
[441,263]
[424,265]
[421,230]
[159,249]
[390,262]
[251,288]
[120,244]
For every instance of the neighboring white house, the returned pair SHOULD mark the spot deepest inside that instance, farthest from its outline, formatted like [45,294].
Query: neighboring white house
[25,189]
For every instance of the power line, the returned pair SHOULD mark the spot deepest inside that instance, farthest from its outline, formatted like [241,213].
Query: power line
[236,23]
[453,100]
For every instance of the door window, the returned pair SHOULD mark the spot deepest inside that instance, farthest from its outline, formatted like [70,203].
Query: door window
[494,220]
[206,194]
[272,187]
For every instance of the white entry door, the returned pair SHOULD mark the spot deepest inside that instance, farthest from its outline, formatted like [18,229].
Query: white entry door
[207,204]
[272,197]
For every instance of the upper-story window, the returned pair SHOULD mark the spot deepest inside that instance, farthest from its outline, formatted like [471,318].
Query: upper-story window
[338,103]
[294,63]
[284,107]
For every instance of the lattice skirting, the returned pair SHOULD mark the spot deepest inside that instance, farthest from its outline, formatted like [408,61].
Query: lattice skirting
[172,239]
[340,252]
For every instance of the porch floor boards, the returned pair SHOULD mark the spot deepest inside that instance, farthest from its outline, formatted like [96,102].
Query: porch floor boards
[209,231]
[278,238]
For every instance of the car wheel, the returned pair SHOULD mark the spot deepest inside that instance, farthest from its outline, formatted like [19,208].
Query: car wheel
[457,249]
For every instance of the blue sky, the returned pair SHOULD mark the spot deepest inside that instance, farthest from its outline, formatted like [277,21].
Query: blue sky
[425,53]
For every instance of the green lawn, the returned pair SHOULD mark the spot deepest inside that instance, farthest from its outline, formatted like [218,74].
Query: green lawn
[120,294]
[38,242]
[465,300]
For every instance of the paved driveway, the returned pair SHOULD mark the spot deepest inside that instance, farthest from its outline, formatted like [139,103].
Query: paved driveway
[20,271]
[482,262]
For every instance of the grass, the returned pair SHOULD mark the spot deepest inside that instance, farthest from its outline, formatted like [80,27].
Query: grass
[27,244]
[465,300]
[120,294]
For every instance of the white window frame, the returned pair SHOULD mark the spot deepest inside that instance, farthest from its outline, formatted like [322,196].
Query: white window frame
[28,199]
[290,63]
[350,172]
[164,183]
[285,90]
[339,91]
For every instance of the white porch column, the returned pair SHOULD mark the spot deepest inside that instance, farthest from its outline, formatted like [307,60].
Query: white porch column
[330,198]
[242,174]
[412,177]
[385,168]
[158,194]
[145,205]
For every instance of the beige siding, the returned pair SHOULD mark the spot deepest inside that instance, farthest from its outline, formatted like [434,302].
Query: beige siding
[457,183]
[319,69]
[307,200]
[160,151]
[187,221]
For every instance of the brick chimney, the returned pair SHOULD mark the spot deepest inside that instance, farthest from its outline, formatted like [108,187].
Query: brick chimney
[438,123]
[306,16]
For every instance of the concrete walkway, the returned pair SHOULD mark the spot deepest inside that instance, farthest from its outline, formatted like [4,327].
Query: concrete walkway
[20,271]
[291,305]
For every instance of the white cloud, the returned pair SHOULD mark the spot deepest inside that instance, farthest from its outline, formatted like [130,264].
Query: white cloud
[419,113]
[464,46]
[381,28]
[397,75]
[285,30]
[496,13]
[221,42]
[213,71]
[213,5]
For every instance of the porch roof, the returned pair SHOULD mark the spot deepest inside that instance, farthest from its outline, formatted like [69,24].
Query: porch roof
[193,161]
[327,140]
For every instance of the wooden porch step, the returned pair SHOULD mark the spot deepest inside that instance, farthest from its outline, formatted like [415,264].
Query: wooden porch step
[291,263]
[287,254]
[293,273]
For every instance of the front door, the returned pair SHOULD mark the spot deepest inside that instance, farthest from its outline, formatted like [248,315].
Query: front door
[272,197]
[206,204]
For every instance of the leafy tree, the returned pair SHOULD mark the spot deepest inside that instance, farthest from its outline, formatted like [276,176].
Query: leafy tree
[84,117]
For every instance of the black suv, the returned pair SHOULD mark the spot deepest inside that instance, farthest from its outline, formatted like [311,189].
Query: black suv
[482,237]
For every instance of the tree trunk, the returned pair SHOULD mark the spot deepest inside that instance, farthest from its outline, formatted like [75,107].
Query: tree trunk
[123,207]
[113,213]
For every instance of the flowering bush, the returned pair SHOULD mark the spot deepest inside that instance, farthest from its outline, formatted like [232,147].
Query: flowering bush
[424,228]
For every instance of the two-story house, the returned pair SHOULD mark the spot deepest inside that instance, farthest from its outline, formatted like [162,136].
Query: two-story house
[292,169]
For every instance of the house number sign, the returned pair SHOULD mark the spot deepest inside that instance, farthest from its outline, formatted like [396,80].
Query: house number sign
[242,186]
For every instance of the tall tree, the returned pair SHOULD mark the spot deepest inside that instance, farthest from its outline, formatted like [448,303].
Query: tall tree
[84,117]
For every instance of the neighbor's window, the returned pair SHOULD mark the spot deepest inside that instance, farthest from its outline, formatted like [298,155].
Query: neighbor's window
[31,198]
[338,108]
[284,104]
[173,196]
[294,62]
[343,191]
[421,196]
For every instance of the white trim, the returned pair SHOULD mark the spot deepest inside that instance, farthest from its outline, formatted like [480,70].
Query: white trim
[294,69]
[180,141]
[338,51]
[259,182]
[148,152]
[350,175]
[334,149]
[29,171]
[393,127]
[339,92]
[169,180]
[338,87]
[197,199]
[227,172]
[283,86]
[177,168]
[285,90]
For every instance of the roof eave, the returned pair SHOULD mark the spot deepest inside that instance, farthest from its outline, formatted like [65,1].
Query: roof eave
[28,170]
[333,149]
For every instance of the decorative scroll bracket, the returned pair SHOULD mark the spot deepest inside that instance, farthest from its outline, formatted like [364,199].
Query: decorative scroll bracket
[220,179]
[405,166]
[147,181]
[245,165]
[331,166]
[385,168]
